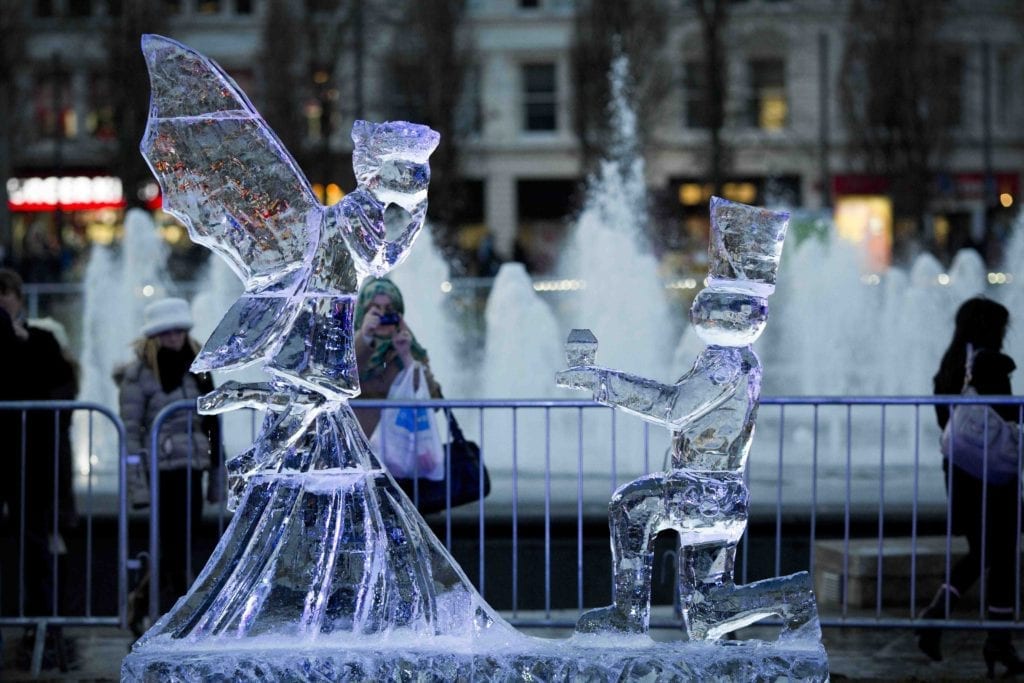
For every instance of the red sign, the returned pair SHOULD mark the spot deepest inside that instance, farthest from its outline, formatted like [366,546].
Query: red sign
[68,193]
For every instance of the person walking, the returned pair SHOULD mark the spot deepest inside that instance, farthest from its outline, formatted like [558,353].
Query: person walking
[986,512]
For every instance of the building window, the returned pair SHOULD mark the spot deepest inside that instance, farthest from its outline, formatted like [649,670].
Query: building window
[208,7]
[695,105]
[529,4]
[79,8]
[767,107]
[952,91]
[469,114]
[172,6]
[44,9]
[99,121]
[539,97]
[1004,90]
[243,6]
[52,113]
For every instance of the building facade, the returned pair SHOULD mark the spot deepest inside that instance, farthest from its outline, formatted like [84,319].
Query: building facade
[788,141]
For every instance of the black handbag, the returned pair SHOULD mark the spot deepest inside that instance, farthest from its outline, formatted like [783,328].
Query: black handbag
[464,474]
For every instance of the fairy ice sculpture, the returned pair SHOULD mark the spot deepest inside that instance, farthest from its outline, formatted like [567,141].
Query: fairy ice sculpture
[711,412]
[322,539]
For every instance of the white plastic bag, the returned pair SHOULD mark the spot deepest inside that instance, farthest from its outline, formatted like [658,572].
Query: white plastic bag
[407,440]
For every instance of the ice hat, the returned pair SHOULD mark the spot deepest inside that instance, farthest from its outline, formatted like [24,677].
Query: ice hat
[746,244]
[166,315]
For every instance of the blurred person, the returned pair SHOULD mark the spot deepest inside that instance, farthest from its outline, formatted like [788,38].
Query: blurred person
[982,324]
[384,346]
[188,444]
[34,450]
[67,512]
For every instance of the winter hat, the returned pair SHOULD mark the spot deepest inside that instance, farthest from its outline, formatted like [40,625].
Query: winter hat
[166,315]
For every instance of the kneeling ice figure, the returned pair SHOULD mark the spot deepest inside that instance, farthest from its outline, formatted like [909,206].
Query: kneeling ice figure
[711,411]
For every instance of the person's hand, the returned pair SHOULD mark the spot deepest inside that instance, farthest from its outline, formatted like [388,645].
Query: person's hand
[10,322]
[371,321]
[403,343]
[20,331]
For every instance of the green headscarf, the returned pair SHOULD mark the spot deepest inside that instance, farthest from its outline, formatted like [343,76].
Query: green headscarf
[371,288]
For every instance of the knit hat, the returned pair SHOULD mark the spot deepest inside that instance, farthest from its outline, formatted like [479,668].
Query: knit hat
[166,315]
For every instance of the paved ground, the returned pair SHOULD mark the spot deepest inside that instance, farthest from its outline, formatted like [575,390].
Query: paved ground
[854,655]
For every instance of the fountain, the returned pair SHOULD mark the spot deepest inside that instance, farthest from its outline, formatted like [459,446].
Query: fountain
[893,328]
[327,572]
[118,287]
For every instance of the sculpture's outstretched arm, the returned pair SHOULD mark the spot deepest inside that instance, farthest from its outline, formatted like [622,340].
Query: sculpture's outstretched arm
[257,395]
[670,405]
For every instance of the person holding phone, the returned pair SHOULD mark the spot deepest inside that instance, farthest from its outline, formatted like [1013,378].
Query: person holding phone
[384,346]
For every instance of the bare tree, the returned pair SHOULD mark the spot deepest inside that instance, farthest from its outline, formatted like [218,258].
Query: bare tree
[11,54]
[131,94]
[713,17]
[285,78]
[899,91]
[426,68]
[334,50]
[636,29]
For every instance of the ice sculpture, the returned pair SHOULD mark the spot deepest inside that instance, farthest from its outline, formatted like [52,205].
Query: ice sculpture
[327,572]
[322,541]
[711,412]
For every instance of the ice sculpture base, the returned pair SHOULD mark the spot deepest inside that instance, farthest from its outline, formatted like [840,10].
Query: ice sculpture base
[590,658]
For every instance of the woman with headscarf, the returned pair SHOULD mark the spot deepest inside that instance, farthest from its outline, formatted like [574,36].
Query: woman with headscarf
[384,346]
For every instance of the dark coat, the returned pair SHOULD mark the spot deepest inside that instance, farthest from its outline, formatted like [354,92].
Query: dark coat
[34,444]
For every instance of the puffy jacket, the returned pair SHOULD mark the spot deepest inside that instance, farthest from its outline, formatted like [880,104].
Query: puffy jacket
[141,398]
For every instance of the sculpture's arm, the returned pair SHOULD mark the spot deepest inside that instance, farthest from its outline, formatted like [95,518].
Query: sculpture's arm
[638,395]
[366,226]
[397,249]
[673,406]
[257,395]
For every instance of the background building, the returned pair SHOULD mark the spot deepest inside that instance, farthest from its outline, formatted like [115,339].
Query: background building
[900,119]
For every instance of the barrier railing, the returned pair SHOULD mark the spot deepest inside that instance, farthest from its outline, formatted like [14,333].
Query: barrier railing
[849,488]
[837,488]
[51,571]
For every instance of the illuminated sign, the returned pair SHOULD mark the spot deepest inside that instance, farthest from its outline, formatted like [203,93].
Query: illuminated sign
[70,193]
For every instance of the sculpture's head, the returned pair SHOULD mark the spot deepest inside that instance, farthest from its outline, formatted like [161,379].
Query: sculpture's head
[390,160]
[746,244]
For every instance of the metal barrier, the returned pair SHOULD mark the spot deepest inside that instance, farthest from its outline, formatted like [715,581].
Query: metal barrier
[837,488]
[34,536]
[847,488]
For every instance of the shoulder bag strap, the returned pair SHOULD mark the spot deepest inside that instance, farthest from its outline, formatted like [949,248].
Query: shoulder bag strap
[453,424]
[968,366]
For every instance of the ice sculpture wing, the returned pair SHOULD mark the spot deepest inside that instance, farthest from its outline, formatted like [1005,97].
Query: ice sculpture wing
[223,171]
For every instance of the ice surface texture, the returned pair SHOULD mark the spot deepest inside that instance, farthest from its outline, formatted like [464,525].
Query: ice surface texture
[227,177]
[322,541]
[584,658]
[711,411]
[746,244]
